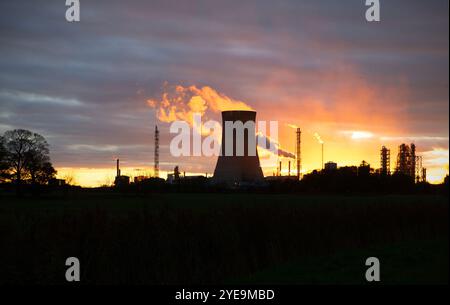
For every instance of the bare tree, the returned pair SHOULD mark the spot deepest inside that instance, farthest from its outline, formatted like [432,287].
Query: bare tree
[69,178]
[28,156]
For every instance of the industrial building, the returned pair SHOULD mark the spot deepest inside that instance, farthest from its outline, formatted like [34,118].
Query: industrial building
[140,179]
[56,182]
[385,161]
[278,175]
[235,169]
[330,166]
[364,168]
[409,164]
[120,180]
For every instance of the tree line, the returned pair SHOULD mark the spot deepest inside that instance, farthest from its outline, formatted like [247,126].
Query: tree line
[25,158]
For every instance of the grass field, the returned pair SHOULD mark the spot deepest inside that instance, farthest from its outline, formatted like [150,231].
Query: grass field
[412,262]
[224,238]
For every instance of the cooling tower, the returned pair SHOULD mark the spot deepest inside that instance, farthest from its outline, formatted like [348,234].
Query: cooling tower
[238,167]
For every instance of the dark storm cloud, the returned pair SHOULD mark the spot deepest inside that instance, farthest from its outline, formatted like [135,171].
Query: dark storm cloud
[85,84]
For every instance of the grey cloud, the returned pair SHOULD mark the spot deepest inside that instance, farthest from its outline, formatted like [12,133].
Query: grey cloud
[28,97]
[119,48]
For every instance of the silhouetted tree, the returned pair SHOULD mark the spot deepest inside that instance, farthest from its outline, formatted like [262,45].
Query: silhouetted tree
[38,166]
[70,179]
[3,160]
[27,156]
[45,173]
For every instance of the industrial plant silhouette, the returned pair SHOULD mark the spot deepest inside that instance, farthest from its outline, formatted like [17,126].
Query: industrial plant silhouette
[243,172]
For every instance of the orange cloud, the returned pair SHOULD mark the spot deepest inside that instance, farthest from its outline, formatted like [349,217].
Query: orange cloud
[180,103]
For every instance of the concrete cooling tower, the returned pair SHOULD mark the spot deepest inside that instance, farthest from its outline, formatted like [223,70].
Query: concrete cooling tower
[236,168]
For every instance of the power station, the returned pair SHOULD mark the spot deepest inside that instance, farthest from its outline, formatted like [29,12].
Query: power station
[242,165]
[236,168]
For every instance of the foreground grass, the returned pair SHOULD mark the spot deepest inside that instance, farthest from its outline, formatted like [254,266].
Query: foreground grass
[412,262]
[211,238]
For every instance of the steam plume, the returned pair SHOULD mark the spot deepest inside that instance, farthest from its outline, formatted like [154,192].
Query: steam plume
[293,126]
[179,103]
[270,143]
[318,138]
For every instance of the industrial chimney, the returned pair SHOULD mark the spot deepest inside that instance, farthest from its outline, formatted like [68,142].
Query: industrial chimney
[235,168]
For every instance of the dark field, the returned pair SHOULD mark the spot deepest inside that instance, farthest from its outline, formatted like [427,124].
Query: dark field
[224,238]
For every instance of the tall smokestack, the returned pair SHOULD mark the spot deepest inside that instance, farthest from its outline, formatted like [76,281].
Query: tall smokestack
[298,152]
[238,168]
[117,168]
[156,154]
[289,168]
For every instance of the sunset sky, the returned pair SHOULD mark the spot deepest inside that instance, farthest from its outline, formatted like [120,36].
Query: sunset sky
[320,65]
